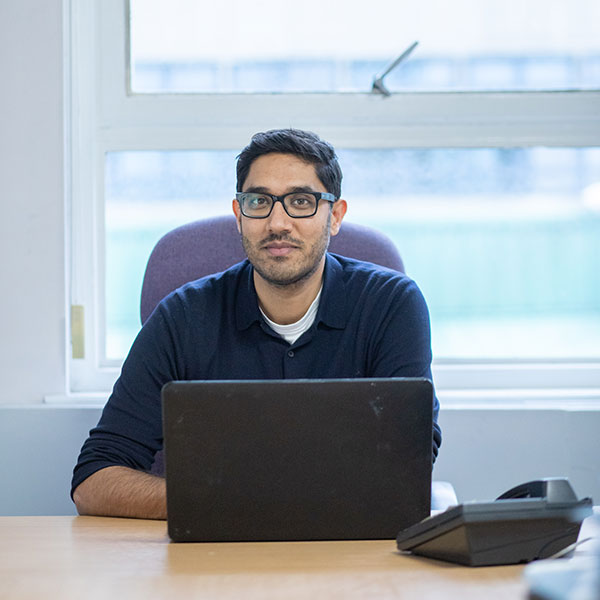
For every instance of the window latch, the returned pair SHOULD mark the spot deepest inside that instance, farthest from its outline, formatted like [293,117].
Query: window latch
[378,85]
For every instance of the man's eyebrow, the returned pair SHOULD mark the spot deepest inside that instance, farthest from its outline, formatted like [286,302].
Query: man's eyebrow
[258,190]
[302,188]
[294,189]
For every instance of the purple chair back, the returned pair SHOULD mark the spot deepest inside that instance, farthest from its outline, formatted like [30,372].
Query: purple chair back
[213,245]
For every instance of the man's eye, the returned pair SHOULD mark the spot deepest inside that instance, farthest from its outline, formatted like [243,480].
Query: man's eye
[302,200]
[258,201]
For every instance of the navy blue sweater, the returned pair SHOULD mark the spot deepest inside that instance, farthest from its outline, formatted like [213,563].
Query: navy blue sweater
[371,322]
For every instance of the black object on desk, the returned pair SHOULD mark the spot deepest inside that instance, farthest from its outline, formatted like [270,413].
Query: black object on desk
[296,459]
[531,521]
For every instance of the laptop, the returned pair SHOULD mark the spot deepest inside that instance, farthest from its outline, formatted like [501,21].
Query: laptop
[310,459]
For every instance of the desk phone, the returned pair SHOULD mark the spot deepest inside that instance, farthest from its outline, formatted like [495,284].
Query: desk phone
[530,521]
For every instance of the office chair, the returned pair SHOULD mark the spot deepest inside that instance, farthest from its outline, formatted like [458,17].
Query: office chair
[212,245]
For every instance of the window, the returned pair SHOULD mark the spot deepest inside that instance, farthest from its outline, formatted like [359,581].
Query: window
[320,45]
[503,242]
[492,197]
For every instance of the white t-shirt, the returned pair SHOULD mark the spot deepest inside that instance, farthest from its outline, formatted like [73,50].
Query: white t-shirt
[290,333]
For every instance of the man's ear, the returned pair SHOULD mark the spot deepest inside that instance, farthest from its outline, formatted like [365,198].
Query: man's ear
[238,213]
[338,211]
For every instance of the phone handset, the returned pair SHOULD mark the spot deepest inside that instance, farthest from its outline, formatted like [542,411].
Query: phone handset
[552,489]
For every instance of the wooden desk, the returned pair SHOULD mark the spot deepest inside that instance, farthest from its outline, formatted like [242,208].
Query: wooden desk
[94,557]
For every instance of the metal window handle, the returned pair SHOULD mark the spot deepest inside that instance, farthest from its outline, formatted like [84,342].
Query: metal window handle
[378,85]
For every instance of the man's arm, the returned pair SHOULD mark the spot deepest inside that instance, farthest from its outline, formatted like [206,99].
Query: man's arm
[403,342]
[111,475]
[122,492]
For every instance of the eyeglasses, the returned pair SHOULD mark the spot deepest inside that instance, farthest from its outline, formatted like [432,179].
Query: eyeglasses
[298,205]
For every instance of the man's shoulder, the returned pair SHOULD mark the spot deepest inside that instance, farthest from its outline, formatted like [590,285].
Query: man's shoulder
[370,284]
[367,290]
[362,272]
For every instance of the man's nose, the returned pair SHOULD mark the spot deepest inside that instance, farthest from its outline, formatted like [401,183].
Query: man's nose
[279,220]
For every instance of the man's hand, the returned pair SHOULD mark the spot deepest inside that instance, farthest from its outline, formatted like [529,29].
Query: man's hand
[122,492]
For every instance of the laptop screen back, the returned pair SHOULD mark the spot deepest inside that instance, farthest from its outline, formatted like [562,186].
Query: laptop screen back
[297,459]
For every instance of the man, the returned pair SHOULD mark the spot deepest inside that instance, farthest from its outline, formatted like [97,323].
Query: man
[290,311]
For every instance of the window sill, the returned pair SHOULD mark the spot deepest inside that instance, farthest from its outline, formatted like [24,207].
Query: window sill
[579,399]
[79,400]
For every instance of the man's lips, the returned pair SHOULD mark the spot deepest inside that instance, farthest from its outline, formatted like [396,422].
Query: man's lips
[279,248]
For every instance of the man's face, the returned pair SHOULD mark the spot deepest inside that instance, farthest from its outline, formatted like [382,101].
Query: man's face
[284,250]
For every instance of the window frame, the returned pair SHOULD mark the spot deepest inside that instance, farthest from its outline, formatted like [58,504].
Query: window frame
[103,115]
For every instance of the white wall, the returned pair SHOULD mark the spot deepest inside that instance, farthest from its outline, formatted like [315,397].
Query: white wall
[31,201]
[483,452]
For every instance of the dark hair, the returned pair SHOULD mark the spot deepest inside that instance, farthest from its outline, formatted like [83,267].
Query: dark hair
[304,144]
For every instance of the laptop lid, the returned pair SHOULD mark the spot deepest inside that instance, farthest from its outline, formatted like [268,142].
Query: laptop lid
[306,459]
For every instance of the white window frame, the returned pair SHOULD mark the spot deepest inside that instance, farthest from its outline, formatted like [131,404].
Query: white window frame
[102,116]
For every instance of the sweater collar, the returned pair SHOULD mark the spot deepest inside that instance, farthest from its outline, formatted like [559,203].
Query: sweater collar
[332,306]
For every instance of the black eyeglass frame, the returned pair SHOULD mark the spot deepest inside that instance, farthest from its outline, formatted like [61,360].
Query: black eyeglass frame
[317,195]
